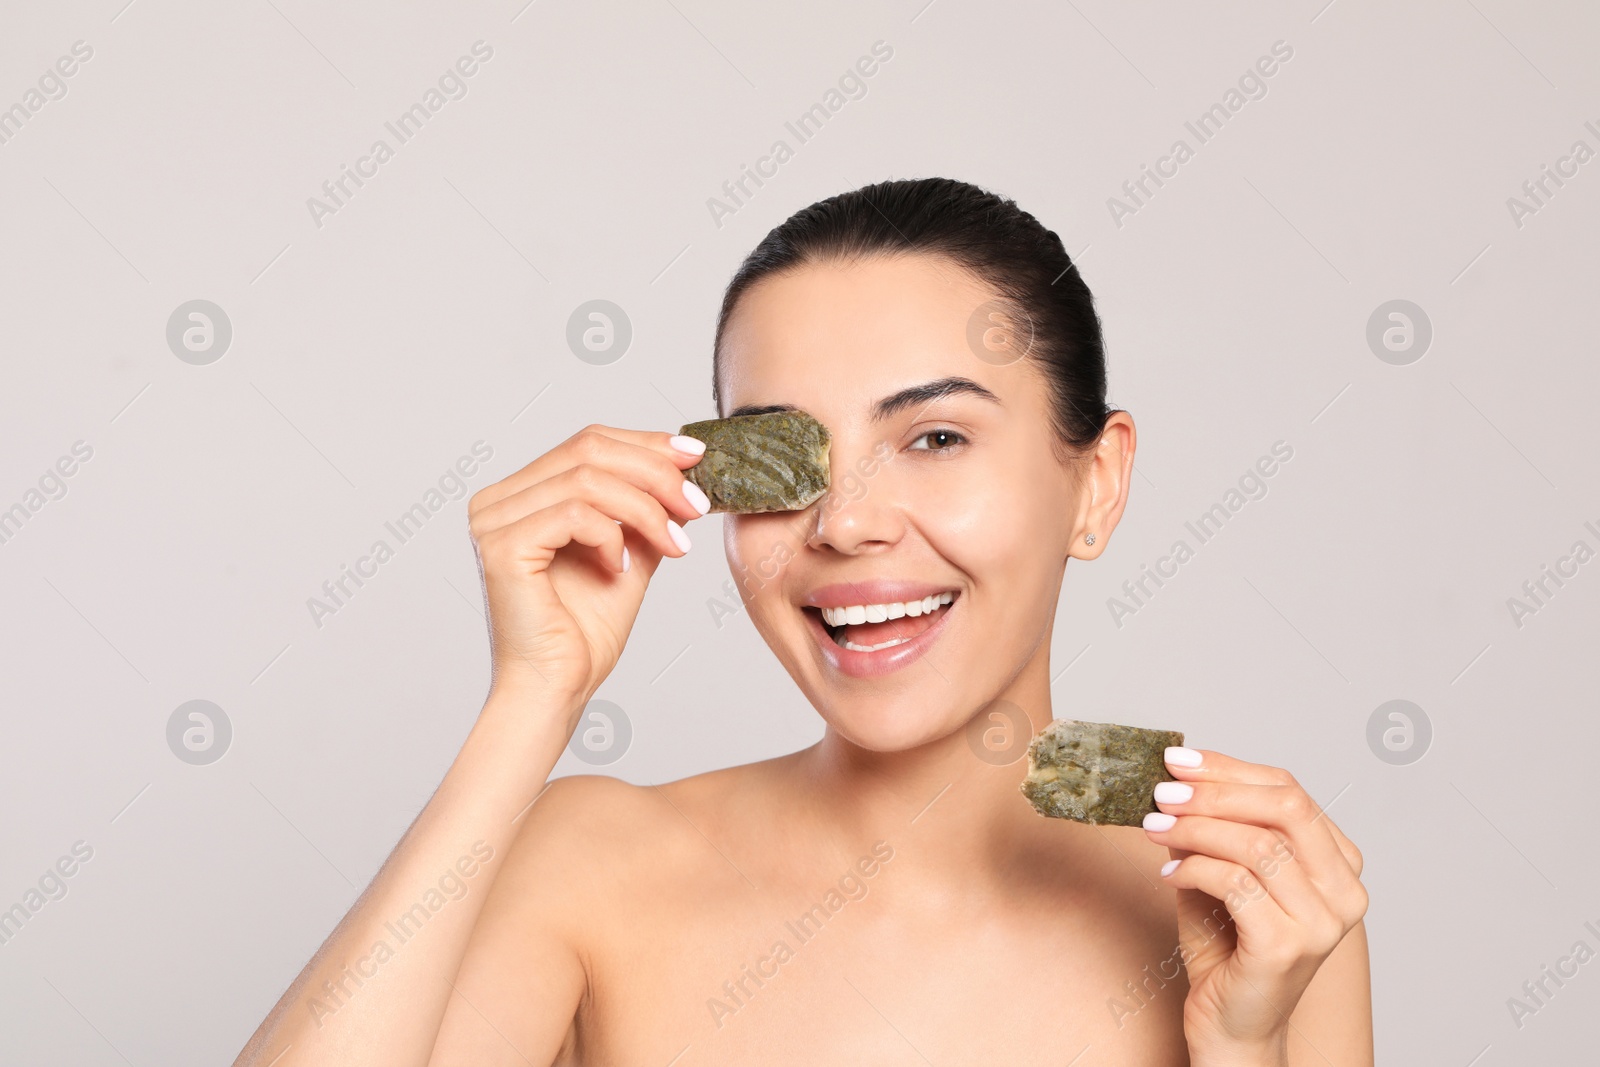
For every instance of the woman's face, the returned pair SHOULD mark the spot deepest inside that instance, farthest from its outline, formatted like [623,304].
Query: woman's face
[960,494]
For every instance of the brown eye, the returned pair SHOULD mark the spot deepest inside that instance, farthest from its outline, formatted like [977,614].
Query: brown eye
[947,439]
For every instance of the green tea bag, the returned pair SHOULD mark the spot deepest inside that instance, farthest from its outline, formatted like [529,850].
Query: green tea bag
[758,463]
[1097,772]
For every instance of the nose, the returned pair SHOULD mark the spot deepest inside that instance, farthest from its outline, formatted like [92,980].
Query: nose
[856,514]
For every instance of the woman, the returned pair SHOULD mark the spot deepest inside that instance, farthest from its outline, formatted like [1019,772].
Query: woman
[886,895]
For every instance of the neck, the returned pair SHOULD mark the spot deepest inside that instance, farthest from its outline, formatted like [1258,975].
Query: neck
[955,797]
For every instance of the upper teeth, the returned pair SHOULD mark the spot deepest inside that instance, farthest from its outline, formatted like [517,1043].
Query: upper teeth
[856,614]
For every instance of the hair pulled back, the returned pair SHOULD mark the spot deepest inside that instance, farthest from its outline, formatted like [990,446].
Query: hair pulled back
[1033,278]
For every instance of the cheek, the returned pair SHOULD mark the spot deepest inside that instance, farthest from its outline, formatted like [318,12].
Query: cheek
[734,542]
[1006,529]
[760,549]
[992,517]
[994,542]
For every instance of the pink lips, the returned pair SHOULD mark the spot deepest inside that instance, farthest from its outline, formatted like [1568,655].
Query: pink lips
[885,660]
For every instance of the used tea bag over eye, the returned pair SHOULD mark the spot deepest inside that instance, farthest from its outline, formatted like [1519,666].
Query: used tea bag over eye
[777,461]
[1097,772]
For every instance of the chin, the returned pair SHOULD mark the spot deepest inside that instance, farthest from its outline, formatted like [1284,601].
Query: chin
[900,683]
[889,731]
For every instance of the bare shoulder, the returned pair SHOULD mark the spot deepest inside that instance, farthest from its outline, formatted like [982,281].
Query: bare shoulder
[1101,886]
[592,840]
[1133,843]
[581,803]
[580,830]
[572,810]
[1142,860]
[590,869]
[1127,860]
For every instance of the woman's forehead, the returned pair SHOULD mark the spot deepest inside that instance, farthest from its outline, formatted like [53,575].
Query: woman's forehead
[866,328]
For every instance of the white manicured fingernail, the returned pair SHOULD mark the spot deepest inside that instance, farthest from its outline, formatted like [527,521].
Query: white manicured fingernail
[679,538]
[1183,757]
[1168,867]
[626,561]
[1159,821]
[696,497]
[1173,792]
[692,445]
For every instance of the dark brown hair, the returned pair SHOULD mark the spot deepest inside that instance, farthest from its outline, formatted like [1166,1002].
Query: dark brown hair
[1006,248]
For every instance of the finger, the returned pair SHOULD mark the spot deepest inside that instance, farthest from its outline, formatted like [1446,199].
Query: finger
[1258,919]
[598,487]
[646,460]
[1263,852]
[1204,927]
[1352,855]
[1284,808]
[537,537]
[649,456]
[1207,765]
[1195,765]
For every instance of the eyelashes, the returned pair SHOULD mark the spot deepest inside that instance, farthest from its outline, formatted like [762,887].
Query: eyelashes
[955,438]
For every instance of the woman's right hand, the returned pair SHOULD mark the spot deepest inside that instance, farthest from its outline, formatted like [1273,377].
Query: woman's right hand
[566,547]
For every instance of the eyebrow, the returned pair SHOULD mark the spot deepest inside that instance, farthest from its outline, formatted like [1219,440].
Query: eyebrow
[925,393]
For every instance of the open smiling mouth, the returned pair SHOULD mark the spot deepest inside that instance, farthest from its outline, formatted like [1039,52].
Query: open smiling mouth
[872,639]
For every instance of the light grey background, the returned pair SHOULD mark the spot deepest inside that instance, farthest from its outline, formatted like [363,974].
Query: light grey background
[430,312]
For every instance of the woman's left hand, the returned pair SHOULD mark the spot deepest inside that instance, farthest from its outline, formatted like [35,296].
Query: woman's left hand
[1267,887]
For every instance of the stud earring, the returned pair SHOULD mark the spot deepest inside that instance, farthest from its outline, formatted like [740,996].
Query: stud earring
[1088,539]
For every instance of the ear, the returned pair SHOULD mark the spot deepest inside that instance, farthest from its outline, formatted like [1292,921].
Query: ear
[1104,489]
